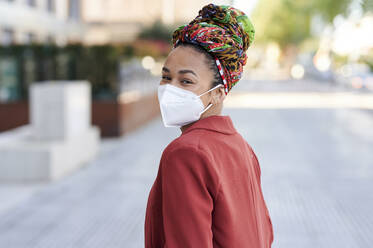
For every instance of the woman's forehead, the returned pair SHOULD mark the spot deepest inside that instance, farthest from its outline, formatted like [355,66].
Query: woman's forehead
[186,58]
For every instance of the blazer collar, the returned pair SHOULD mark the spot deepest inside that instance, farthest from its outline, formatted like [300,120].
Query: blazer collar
[217,123]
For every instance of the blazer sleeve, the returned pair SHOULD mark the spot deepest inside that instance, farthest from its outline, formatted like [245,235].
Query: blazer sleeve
[187,199]
[256,162]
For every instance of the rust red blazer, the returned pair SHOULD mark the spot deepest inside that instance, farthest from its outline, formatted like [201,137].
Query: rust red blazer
[207,192]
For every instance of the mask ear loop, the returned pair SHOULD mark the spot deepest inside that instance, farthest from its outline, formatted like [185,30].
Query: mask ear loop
[210,105]
[217,86]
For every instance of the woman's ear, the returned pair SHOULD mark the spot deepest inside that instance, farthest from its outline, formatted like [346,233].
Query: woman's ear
[218,96]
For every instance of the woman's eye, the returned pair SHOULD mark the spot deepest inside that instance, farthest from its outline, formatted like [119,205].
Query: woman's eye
[186,81]
[166,78]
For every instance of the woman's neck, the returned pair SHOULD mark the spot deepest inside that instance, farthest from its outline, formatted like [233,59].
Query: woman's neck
[204,115]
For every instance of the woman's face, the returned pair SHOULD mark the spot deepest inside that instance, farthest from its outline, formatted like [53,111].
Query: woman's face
[187,69]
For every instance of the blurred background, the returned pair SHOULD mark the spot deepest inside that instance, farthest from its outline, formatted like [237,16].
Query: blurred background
[81,134]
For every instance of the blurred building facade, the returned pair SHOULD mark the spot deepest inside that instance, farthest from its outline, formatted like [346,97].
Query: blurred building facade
[89,21]
[42,21]
[115,21]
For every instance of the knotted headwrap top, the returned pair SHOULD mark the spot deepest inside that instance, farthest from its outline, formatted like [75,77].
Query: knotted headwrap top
[226,33]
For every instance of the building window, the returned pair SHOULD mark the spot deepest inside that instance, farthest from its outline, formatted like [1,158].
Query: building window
[74,9]
[7,37]
[31,3]
[51,6]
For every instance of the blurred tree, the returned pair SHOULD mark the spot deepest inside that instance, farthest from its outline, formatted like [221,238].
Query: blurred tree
[367,5]
[331,8]
[368,59]
[288,22]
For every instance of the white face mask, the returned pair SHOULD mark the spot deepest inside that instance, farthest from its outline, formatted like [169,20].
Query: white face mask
[179,106]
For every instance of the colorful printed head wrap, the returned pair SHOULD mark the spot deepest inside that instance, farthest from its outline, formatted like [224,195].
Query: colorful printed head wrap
[223,31]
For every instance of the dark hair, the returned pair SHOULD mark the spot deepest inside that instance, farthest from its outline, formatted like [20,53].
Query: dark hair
[209,60]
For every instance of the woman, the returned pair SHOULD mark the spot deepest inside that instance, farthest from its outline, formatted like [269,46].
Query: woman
[207,192]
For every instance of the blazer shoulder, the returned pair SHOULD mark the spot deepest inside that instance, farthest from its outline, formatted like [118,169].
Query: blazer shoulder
[189,147]
[190,140]
[181,145]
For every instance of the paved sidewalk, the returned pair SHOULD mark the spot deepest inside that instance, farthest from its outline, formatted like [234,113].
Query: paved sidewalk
[317,179]
[100,205]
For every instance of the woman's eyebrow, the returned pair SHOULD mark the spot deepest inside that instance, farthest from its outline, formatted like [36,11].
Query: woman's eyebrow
[187,71]
[165,69]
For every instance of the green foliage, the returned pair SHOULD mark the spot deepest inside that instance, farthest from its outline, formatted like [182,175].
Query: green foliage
[97,64]
[331,8]
[368,59]
[339,60]
[367,5]
[289,21]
